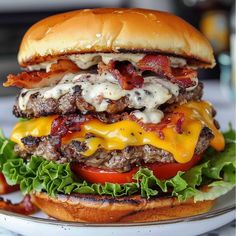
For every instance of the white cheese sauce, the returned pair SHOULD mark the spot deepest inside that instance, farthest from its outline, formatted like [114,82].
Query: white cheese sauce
[84,61]
[42,66]
[193,87]
[151,95]
[149,116]
[24,97]
[97,90]
[177,62]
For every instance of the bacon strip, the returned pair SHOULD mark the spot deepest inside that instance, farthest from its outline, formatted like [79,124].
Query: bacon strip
[184,75]
[125,73]
[69,123]
[160,65]
[25,207]
[156,63]
[174,119]
[179,121]
[37,79]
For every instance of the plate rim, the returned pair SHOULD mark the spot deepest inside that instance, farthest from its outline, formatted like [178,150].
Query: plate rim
[54,222]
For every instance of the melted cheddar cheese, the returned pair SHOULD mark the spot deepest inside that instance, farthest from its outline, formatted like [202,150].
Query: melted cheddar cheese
[125,133]
[37,127]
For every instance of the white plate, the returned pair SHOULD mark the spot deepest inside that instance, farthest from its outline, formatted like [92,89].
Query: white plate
[40,224]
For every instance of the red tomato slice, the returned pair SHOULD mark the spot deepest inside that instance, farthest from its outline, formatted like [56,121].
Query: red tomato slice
[4,187]
[161,171]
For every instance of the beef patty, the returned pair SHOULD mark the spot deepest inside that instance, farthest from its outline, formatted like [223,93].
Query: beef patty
[71,103]
[49,148]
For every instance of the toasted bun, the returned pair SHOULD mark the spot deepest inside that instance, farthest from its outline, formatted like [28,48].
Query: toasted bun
[104,209]
[114,30]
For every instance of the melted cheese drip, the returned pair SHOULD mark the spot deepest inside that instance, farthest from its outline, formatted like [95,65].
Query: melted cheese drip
[203,113]
[125,133]
[37,127]
[97,89]
[128,133]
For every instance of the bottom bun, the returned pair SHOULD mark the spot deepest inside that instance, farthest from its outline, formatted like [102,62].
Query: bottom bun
[106,209]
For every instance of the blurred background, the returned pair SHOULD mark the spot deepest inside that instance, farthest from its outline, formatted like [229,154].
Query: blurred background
[215,18]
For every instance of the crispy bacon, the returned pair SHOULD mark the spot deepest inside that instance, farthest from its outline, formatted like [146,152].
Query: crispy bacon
[178,120]
[70,123]
[160,65]
[156,63]
[26,79]
[125,73]
[25,207]
[149,127]
[174,120]
[184,76]
[36,79]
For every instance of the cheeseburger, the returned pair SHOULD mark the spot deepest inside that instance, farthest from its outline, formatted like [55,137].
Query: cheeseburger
[112,126]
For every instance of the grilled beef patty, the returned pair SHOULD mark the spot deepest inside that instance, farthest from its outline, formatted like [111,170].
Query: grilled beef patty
[49,148]
[71,103]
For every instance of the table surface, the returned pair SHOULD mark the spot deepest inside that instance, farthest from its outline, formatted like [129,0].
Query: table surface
[218,96]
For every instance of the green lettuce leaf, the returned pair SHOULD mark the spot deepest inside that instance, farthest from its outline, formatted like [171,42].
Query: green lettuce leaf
[22,119]
[222,165]
[6,150]
[217,170]
[217,188]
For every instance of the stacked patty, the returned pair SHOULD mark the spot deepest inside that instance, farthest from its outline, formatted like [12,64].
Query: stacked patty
[145,89]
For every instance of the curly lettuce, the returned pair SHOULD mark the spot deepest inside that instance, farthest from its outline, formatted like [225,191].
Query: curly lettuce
[217,170]
[6,150]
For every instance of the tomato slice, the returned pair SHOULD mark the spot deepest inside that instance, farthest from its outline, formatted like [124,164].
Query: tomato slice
[161,171]
[4,187]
